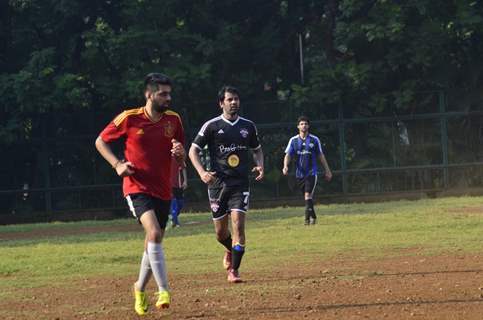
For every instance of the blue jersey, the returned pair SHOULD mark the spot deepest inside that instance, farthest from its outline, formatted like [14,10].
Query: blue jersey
[305,151]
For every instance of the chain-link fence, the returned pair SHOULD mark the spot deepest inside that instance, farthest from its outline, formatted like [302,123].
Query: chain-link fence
[424,149]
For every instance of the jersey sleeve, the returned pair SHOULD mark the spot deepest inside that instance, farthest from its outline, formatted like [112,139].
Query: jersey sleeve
[290,149]
[115,129]
[318,147]
[179,135]
[254,143]
[202,137]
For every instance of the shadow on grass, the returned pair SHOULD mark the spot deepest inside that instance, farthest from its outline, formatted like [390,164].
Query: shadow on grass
[192,224]
[371,275]
[342,306]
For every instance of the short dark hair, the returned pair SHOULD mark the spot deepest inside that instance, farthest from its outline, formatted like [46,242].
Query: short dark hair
[154,79]
[303,118]
[230,89]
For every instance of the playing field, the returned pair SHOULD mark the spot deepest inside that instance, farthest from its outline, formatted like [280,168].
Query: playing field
[392,260]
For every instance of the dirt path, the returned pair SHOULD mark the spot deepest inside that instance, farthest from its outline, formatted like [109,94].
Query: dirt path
[409,287]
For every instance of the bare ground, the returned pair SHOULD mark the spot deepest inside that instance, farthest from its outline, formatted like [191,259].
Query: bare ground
[408,285]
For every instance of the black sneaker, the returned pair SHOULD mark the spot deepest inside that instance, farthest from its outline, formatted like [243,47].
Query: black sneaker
[307,222]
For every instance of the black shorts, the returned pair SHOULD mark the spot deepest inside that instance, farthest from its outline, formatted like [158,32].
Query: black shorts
[178,193]
[139,203]
[224,199]
[307,184]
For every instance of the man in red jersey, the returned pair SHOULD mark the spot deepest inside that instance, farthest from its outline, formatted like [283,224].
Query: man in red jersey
[153,136]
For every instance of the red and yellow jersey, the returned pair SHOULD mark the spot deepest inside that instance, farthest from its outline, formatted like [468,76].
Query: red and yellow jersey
[148,148]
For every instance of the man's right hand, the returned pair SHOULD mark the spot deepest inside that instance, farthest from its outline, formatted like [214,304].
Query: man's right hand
[125,169]
[208,177]
[285,171]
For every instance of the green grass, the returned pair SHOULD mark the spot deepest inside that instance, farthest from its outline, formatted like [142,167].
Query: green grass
[275,236]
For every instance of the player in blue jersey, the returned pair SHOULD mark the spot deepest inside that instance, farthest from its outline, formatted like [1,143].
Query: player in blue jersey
[305,149]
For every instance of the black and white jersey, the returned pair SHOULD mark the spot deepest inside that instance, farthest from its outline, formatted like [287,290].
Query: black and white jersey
[229,144]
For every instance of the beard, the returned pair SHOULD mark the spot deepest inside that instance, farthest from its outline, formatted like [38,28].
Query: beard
[160,107]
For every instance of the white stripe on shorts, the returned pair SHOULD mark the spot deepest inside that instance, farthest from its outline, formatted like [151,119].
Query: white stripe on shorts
[238,210]
[313,189]
[131,206]
[219,218]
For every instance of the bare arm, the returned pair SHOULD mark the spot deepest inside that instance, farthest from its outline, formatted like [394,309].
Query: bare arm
[122,168]
[258,158]
[286,162]
[206,177]
[328,173]
[185,178]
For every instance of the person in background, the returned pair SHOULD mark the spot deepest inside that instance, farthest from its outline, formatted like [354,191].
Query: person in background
[305,149]
[179,182]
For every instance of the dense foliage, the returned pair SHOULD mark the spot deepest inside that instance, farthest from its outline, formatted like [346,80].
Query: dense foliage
[68,66]
[370,56]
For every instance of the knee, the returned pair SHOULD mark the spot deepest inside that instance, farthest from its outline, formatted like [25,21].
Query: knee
[222,234]
[154,236]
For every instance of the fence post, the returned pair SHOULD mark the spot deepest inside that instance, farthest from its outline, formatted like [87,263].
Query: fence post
[44,166]
[444,136]
[343,151]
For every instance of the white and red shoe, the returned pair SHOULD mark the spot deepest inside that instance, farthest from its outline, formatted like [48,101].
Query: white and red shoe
[233,276]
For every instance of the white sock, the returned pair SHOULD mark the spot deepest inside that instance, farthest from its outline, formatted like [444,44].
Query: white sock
[144,273]
[158,265]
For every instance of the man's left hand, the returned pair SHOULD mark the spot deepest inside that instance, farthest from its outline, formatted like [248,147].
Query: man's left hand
[177,150]
[260,172]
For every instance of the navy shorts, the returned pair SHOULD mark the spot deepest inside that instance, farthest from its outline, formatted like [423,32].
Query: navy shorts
[224,199]
[139,203]
[307,184]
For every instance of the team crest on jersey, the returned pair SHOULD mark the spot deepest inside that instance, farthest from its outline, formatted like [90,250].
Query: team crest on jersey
[214,206]
[168,129]
[311,145]
[233,160]
[244,133]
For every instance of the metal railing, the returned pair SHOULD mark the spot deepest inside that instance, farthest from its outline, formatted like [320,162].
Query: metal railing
[438,171]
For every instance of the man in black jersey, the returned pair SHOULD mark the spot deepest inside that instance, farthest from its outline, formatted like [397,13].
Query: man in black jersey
[232,144]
